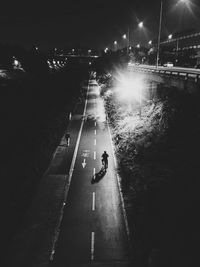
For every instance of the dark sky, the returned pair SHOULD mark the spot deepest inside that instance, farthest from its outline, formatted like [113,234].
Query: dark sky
[93,23]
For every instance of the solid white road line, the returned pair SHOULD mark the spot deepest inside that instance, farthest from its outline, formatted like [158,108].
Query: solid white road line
[92,246]
[95,142]
[94,171]
[93,201]
[95,123]
[95,132]
[95,155]
[67,185]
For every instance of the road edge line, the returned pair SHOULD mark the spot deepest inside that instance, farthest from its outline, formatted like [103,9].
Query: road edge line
[67,184]
[118,182]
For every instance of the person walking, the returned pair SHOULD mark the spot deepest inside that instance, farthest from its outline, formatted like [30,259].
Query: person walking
[67,137]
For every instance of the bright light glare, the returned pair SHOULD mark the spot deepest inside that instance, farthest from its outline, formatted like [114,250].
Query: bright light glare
[16,62]
[115,42]
[150,42]
[106,50]
[141,24]
[129,86]
[189,4]
[170,36]
[124,36]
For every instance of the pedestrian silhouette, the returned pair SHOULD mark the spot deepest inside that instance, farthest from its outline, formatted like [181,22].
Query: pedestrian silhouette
[67,137]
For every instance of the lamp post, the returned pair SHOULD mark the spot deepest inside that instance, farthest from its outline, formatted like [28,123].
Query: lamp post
[187,3]
[115,44]
[170,37]
[140,25]
[126,37]
[159,33]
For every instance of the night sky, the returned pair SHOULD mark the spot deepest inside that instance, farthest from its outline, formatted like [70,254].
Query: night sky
[91,23]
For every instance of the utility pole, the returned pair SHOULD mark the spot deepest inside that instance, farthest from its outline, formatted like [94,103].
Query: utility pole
[159,33]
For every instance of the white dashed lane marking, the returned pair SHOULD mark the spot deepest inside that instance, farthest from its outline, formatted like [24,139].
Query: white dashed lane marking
[93,201]
[92,245]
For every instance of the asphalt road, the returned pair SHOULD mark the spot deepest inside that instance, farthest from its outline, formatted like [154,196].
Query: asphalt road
[93,230]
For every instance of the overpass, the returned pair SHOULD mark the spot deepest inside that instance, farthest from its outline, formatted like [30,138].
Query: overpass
[182,78]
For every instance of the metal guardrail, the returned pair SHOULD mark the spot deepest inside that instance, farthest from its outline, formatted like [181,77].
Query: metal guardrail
[184,74]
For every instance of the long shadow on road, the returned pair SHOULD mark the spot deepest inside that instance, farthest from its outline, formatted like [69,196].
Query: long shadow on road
[98,176]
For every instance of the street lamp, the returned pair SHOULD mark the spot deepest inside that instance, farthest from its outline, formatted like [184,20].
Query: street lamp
[170,37]
[159,33]
[138,45]
[150,42]
[141,24]
[186,2]
[115,43]
[126,37]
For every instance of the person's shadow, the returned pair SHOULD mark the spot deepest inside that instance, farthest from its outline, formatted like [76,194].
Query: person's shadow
[98,176]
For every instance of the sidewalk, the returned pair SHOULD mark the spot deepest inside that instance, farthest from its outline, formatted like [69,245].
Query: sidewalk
[33,244]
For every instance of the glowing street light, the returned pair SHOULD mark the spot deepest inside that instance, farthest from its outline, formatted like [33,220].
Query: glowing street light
[130,87]
[124,36]
[140,24]
[150,42]
[138,45]
[170,36]
[115,44]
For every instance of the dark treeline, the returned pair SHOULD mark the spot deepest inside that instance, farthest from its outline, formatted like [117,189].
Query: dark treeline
[32,60]
[34,110]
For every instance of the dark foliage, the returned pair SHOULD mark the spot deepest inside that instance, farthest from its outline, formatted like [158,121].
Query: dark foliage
[34,110]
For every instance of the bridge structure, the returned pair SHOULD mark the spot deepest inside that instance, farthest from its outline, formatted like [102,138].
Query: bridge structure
[187,79]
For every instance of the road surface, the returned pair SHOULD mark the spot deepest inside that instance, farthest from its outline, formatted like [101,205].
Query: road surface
[93,230]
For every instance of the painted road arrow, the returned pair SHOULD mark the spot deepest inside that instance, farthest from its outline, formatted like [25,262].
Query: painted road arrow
[84,163]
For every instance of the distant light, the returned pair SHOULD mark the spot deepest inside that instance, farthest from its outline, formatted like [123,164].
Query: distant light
[150,42]
[124,36]
[138,45]
[90,63]
[170,36]
[73,50]
[16,62]
[89,51]
[141,24]
[106,50]
[115,42]
[130,48]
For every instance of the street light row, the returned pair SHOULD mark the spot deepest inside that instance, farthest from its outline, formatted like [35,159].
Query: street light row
[126,37]
[140,25]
